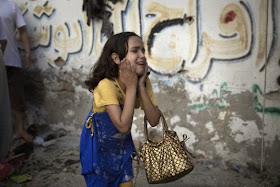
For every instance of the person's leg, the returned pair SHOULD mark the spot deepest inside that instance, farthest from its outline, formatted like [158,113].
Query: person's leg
[93,180]
[126,184]
[17,100]
[6,129]
[20,117]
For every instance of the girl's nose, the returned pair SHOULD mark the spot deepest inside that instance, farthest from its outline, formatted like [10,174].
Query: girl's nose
[142,54]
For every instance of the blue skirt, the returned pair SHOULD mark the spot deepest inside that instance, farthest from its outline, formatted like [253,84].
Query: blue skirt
[105,156]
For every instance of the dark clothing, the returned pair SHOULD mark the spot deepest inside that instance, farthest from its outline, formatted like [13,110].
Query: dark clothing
[16,88]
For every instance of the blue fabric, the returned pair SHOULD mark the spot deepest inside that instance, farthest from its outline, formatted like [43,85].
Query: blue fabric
[105,157]
[93,180]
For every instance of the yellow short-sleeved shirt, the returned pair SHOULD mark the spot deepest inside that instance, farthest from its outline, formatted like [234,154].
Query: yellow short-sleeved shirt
[109,92]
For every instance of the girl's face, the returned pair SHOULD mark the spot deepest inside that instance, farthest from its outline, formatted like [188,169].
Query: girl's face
[136,55]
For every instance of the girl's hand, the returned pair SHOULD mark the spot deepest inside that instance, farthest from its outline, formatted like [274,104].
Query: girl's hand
[142,79]
[127,74]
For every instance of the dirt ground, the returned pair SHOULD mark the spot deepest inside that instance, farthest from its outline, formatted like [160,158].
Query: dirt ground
[57,165]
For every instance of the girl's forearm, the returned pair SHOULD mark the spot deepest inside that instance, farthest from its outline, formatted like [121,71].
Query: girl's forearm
[151,111]
[128,110]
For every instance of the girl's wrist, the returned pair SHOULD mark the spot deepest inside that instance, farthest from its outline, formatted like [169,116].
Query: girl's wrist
[142,84]
[131,89]
[141,88]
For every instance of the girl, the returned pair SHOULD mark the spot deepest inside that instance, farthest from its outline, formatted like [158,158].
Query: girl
[119,84]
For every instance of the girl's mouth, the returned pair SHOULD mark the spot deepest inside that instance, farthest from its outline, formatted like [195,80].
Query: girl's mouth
[142,63]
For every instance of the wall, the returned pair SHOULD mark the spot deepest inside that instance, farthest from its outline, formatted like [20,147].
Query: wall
[216,77]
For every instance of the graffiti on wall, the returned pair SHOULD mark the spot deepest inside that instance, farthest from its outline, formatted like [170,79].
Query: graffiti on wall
[219,96]
[189,46]
[258,106]
[221,103]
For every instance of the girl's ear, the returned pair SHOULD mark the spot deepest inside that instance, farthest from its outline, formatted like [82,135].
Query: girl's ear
[116,58]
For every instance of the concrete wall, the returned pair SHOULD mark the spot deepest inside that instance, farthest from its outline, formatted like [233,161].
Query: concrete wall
[216,79]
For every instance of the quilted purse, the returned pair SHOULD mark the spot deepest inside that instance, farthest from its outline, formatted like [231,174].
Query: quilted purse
[167,160]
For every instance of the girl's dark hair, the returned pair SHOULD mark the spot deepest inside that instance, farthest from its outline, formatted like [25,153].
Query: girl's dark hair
[105,67]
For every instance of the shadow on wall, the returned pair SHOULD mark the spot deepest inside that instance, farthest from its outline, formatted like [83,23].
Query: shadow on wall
[34,88]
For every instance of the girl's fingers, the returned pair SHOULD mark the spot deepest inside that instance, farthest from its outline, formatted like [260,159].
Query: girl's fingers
[122,63]
[146,69]
[125,64]
[129,66]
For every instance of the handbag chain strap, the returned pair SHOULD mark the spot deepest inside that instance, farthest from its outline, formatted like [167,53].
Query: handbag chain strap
[165,127]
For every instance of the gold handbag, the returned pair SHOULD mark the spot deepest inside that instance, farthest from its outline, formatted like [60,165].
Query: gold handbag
[167,160]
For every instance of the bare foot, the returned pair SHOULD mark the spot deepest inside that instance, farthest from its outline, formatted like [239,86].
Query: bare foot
[26,137]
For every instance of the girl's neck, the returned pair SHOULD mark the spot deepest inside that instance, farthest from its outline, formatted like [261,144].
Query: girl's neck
[121,84]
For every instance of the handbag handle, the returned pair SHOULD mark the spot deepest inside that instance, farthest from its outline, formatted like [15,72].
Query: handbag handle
[163,121]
